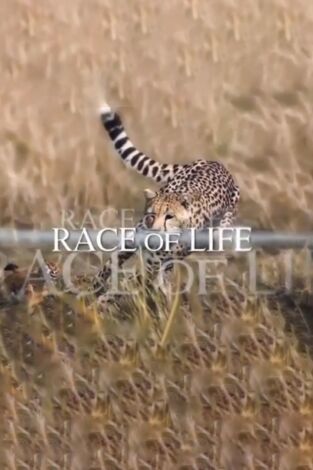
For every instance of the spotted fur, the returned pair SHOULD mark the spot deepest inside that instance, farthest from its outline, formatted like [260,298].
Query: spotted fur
[195,195]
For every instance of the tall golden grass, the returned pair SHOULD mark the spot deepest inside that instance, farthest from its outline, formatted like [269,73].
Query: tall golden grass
[190,78]
[222,382]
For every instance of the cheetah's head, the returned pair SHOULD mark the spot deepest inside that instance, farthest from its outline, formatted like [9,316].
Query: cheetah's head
[166,212]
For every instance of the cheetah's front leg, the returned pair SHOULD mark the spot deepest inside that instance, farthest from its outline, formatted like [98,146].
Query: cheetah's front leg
[160,267]
[101,279]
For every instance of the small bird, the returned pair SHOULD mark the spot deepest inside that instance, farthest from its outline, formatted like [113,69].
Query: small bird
[20,281]
[14,279]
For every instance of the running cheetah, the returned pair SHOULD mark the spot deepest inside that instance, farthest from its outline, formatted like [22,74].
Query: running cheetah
[195,195]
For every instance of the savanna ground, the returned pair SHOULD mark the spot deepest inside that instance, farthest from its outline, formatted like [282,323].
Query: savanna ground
[224,381]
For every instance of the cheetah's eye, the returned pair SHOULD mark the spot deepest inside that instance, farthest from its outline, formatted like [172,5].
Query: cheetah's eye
[169,216]
[149,219]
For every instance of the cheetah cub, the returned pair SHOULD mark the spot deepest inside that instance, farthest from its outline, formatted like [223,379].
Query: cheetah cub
[194,195]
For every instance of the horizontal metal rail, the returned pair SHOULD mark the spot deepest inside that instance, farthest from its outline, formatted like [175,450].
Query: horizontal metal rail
[38,239]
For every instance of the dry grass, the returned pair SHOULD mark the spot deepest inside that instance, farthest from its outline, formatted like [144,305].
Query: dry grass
[229,385]
[193,78]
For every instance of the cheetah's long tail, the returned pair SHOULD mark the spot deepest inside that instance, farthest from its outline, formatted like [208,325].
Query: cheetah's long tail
[132,157]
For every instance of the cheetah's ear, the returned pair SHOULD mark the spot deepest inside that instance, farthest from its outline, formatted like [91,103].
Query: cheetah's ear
[149,193]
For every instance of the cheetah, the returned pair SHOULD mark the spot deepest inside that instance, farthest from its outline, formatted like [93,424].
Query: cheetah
[196,195]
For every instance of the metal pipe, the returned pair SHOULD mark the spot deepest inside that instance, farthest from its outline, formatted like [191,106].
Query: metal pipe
[45,239]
